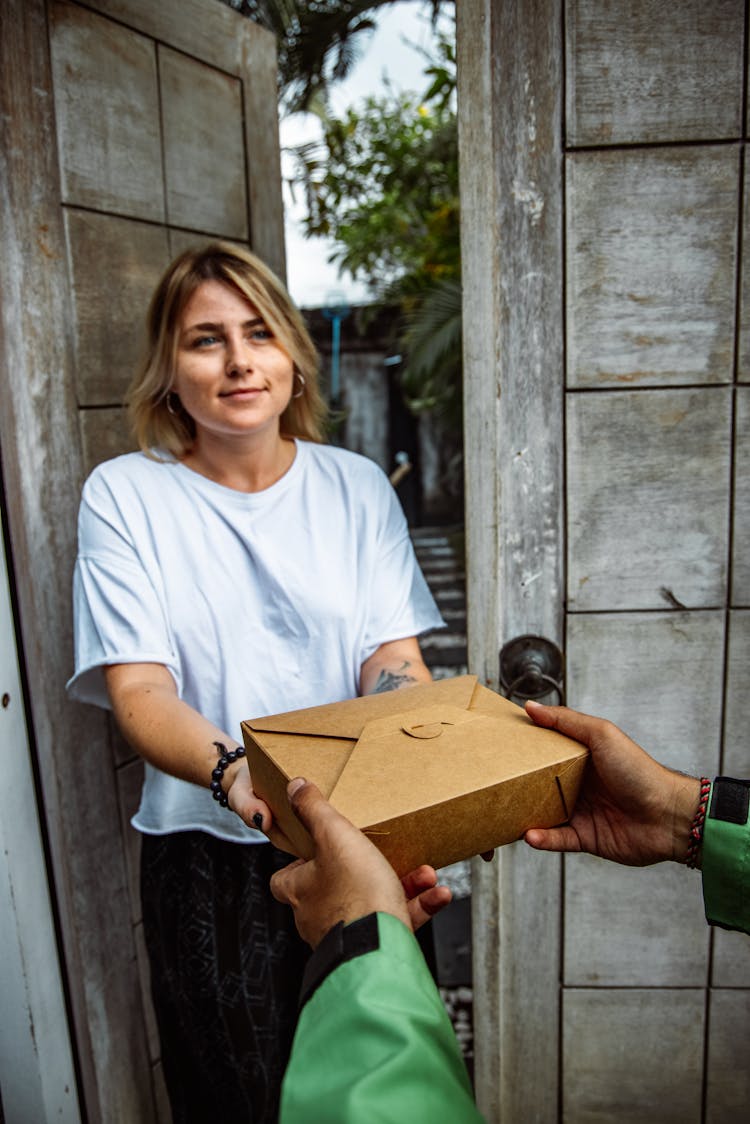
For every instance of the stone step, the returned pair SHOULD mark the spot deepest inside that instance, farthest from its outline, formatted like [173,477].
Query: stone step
[444,582]
[446,665]
[437,546]
[441,671]
[450,598]
[454,617]
[444,650]
[446,640]
[442,566]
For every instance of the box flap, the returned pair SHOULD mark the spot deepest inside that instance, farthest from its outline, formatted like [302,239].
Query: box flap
[347,719]
[423,757]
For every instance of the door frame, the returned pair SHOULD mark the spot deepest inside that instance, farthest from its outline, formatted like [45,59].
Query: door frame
[37,1074]
[510,152]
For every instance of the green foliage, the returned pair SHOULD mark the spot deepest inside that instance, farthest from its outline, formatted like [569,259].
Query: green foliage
[384,189]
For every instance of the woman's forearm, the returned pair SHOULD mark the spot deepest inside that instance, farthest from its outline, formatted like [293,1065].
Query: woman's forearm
[170,734]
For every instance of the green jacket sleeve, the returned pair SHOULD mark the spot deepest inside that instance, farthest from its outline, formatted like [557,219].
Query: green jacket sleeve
[374,1043]
[725,855]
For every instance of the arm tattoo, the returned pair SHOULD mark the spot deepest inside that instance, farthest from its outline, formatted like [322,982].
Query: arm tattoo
[392,680]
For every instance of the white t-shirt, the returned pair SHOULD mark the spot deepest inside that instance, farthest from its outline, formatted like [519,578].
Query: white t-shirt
[256,603]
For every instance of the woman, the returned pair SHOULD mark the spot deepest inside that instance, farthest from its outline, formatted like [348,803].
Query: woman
[234,567]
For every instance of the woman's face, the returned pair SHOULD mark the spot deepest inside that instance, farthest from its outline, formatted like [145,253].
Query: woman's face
[232,376]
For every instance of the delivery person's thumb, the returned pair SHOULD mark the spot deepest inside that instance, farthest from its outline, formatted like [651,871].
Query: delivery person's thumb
[313,810]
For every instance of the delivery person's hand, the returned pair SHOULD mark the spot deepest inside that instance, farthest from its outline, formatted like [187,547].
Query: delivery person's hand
[630,809]
[348,877]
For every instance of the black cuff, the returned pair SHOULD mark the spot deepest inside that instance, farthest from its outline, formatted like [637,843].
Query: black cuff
[730,800]
[341,943]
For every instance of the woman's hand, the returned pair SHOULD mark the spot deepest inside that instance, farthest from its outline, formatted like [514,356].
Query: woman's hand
[244,801]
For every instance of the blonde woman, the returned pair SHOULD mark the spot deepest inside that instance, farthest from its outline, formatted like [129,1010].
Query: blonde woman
[235,566]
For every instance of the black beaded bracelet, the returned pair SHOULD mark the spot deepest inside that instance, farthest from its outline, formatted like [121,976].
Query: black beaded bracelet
[227,757]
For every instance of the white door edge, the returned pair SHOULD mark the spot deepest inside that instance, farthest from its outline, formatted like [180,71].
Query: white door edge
[37,1079]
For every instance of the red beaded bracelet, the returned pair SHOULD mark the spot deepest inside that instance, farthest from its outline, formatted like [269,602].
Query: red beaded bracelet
[696,828]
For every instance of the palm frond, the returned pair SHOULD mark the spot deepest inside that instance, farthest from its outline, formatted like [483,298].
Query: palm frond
[434,328]
[319,41]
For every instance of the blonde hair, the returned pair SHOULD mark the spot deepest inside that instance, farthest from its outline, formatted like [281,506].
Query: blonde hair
[154,424]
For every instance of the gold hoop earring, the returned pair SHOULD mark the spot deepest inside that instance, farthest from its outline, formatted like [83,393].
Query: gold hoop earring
[301,391]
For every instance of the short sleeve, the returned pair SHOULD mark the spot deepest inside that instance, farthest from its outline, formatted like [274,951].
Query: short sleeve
[118,614]
[400,601]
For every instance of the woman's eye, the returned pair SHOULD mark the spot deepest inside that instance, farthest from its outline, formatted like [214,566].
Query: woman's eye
[205,341]
[261,334]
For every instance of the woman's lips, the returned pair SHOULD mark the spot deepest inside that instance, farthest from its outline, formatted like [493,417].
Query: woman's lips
[242,392]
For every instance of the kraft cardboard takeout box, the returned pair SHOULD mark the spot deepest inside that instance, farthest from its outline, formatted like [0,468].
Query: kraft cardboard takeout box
[432,774]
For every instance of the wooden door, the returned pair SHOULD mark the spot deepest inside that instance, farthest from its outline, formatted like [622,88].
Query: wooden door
[37,1080]
[608,508]
[130,129]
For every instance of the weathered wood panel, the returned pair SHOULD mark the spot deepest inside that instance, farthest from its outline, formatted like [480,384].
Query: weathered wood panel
[728,1093]
[114,265]
[633,1056]
[648,479]
[743,365]
[651,266]
[107,110]
[730,957]
[621,665]
[180,240]
[204,156]
[650,71]
[741,536]
[631,927]
[210,31]
[477,143]
[216,35]
[477,135]
[510,114]
[627,927]
[105,433]
[262,148]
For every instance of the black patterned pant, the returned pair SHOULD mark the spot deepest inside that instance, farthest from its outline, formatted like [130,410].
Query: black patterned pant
[226,968]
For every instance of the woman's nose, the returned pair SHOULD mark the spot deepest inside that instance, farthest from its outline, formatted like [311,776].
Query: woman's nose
[239,357]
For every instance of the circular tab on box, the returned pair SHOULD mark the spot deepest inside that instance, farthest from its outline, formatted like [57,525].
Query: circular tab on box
[430,730]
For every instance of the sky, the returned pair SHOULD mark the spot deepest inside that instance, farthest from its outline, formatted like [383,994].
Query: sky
[388,51]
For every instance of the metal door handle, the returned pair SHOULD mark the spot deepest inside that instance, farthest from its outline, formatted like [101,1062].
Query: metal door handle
[530,667]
